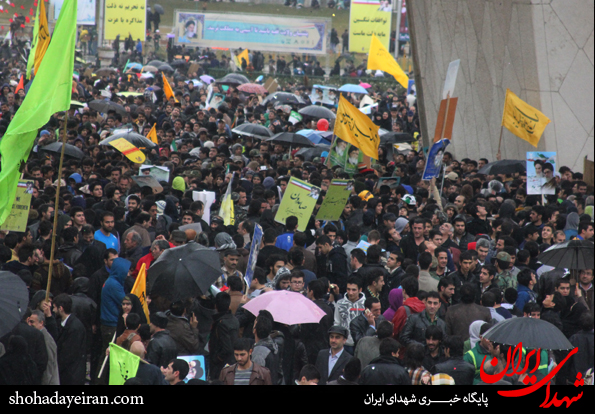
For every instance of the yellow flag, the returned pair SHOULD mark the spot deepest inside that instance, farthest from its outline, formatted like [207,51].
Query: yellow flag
[244,55]
[140,289]
[129,150]
[152,135]
[522,119]
[356,128]
[169,93]
[380,59]
[43,36]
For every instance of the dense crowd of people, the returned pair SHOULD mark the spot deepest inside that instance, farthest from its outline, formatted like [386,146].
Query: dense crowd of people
[445,259]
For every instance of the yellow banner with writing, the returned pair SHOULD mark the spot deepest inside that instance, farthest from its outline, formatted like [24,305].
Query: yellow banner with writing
[367,18]
[140,289]
[244,55]
[522,119]
[129,150]
[125,18]
[43,37]
[380,59]
[356,128]
[19,213]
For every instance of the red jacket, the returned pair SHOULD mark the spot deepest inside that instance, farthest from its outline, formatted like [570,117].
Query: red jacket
[415,306]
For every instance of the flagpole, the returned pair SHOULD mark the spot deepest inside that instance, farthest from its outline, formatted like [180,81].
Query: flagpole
[56,205]
[499,155]
[443,130]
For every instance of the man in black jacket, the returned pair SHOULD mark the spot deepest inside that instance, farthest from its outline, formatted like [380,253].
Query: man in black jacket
[385,369]
[223,332]
[461,371]
[162,348]
[332,262]
[366,323]
[314,335]
[71,343]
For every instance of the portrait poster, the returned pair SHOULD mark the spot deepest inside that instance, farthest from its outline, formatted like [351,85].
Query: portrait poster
[541,169]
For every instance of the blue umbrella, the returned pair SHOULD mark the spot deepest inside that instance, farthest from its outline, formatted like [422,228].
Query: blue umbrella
[313,136]
[350,87]
[134,65]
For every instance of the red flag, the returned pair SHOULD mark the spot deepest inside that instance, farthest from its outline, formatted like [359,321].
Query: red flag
[21,85]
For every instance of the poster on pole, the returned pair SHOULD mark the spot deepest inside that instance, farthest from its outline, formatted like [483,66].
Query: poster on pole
[125,18]
[19,214]
[451,79]
[335,200]
[254,249]
[541,167]
[346,155]
[434,163]
[368,17]
[207,198]
[299,200]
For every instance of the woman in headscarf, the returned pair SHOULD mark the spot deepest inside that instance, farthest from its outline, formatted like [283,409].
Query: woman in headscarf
[395,301]
[402,226]
[474,329]
[571,229]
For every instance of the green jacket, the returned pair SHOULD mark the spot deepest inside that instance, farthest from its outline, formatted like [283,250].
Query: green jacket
[475,357]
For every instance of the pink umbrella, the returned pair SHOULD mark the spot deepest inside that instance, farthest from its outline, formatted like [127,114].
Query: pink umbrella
[289,308]
[365,85]
[253,88]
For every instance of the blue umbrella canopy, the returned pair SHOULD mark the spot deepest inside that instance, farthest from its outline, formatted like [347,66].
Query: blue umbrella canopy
[350,87]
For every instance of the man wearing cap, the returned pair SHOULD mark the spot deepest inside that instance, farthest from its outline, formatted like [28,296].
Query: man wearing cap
[331,362]
[504,278]
[162,348]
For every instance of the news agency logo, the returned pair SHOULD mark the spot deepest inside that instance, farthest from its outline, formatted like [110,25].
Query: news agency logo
[513,368]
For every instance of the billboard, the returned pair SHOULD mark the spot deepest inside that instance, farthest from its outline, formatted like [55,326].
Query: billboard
[125,17]
[253,32]
[85,12]
[367,17]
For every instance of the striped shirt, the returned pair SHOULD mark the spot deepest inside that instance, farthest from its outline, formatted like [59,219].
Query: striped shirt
[243,376]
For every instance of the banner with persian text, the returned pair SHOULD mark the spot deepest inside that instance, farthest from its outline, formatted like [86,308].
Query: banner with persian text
[124,18]
[368,17]
[250,31]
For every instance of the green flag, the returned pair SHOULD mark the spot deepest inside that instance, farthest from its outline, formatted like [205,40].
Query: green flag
[50,92]
[31,60]
[122,364]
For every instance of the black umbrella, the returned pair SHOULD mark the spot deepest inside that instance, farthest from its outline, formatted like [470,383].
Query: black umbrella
[159,9]
[183,272]
[504,167]
[532,333]
[395,138]
[317,111]
[574,255]
[283,98]
[311,153]
[69,150]
[178,63]
[295,140]
[233,79]
[165,68]
[155,63]
[103,106]
[253,130]
[14,298]
[135,139]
